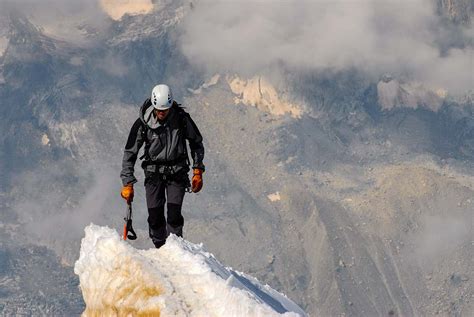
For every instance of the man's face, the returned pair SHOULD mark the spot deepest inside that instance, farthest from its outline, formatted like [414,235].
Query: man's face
[161,114]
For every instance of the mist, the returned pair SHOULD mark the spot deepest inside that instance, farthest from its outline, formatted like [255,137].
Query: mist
[404,38]
[55,201]
[442,235]
[65,19]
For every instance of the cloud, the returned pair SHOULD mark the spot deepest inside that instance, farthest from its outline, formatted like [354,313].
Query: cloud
[442,235]
[400,37]
[66,19]
[113,65]
[54,201]
[54,212]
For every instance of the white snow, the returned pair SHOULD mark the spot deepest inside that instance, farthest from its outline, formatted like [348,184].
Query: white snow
[211,82]
[259,93]
[274,197]
[45,139]
[3,45]
[179,279]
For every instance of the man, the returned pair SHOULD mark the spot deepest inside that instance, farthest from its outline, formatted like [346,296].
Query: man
[163,126]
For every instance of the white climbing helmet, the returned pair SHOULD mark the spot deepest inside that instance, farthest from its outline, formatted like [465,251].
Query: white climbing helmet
[161,97]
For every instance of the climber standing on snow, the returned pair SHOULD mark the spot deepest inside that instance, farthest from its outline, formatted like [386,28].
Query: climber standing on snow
[163,126]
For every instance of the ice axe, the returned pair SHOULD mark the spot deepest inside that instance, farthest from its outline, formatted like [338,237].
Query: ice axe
[127,227]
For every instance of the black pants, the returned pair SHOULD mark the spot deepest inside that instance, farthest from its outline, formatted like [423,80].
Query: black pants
[160,191]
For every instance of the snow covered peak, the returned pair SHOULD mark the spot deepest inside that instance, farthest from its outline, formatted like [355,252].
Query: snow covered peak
[179,279]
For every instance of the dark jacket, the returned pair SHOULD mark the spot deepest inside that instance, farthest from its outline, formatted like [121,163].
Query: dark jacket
[165,146]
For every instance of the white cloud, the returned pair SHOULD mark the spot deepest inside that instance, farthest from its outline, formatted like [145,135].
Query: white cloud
[399,37]
[66,19]
[442,235]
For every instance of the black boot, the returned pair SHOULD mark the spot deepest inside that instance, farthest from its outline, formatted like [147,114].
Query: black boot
[158,236]
[159,243]
[174,230]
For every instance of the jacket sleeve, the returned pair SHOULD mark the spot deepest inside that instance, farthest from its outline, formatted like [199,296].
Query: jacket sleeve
[134,143]
[194,138]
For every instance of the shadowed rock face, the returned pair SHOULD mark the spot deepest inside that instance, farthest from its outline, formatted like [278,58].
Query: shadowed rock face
[373,201]
[34,282]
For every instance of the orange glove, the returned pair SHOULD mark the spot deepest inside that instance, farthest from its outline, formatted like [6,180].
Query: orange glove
[127,193]
[197,180]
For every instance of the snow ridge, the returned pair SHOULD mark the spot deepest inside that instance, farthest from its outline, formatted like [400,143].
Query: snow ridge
[179,279]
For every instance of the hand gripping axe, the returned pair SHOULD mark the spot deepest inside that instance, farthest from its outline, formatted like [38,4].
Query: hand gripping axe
[128,231]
